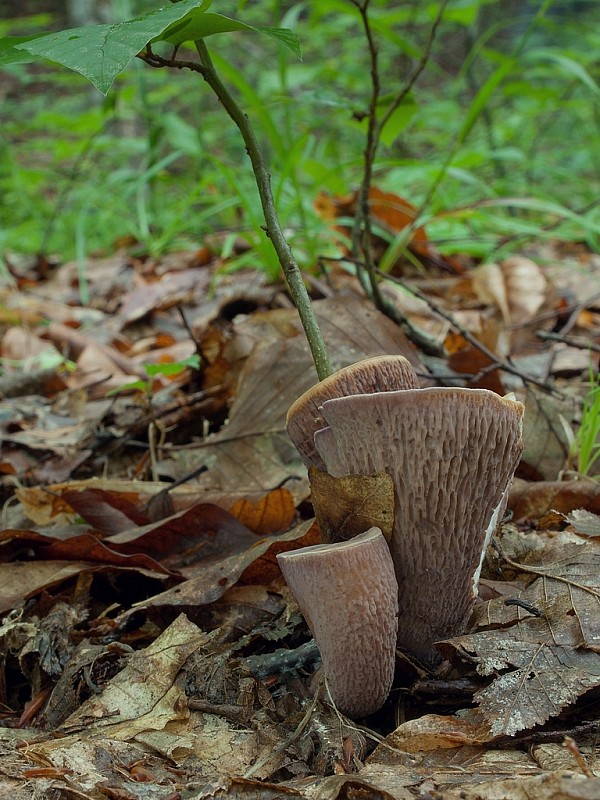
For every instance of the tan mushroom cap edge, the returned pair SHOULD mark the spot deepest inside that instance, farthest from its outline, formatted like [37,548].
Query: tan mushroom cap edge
[376,374]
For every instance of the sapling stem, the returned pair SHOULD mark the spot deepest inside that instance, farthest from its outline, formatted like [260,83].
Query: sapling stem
[273,228]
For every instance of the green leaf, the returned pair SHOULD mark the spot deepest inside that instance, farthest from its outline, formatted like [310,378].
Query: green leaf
[172,368]
[285,36]
[101,52]
[9,54]
[128,387]
[198,25]
[569,65]
[399,119]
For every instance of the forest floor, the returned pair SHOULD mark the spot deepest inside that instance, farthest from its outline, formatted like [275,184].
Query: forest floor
[149,483]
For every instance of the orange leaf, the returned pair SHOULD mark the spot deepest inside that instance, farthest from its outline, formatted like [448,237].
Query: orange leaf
[395,213]
[272,513]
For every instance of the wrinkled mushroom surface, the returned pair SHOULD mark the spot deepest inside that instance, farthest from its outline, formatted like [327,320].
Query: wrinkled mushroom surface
[451,454]
[348,595]
[377,374]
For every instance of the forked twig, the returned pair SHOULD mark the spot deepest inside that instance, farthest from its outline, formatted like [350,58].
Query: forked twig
[362,230]
[500,363]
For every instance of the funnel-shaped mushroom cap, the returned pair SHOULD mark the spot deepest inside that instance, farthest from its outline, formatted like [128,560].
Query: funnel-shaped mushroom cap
[377,374]
[451,454]
[348,595]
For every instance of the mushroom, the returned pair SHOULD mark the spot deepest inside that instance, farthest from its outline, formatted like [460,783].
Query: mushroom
[451,454]
[348,595]
[376,374]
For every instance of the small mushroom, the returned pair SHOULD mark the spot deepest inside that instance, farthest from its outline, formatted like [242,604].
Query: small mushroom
[348,595]
[451,454]
[376,374]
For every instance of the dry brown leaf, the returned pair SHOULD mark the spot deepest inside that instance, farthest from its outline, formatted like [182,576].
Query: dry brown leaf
[531,501]
[77,547]
[97,372]
[526,288]
[208,580]
[390,212]
[547,652]
[170,290]
[252,454]
[448,754]
[45,505]
[348,506]
[20,580]
[22,345]
[555,786]
[517,286]
[584,522]
[432,732]
[469,360]
[489,287]
[272,513]
[143,696]
[545,438]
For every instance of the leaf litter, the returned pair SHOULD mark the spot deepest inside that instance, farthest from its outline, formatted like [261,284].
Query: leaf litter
[150,647]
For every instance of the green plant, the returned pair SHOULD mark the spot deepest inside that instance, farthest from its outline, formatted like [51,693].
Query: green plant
[523,139]
[146,386]
[586,443]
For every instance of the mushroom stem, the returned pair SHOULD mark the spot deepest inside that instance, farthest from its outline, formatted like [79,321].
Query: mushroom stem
[348,595]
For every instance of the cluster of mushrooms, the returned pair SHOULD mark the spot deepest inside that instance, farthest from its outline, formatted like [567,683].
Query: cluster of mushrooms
[451,454]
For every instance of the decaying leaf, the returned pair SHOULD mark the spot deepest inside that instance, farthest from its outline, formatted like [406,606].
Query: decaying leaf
[517,286]
[391,213]
[252,454]
[143,696]
[209,580]
[584,522]
[547,652]
[350,505]
[530,501]
[545,438]
[273,513]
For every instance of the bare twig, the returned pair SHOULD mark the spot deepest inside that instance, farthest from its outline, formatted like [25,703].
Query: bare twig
[573,341]
[419,338]
[362,231]
[500,363]
[539,737]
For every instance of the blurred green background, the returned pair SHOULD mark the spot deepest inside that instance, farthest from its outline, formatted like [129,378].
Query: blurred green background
[500,134]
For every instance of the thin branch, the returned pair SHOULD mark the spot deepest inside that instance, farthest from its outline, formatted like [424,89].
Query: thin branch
[416,74]
[362,230]
[500,363]
[424,342]
[573,341]
[273,227]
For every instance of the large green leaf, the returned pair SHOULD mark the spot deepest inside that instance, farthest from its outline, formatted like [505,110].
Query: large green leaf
[101,52]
